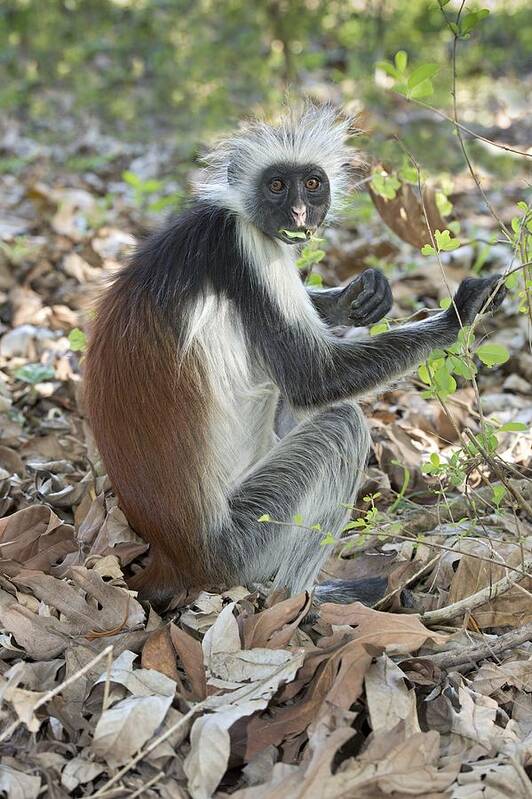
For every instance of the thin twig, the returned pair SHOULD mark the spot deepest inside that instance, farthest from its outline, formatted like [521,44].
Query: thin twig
[149,784]
[521,501]
[107,683]
[391,536]
[458,130]
[143,752]
[420,520]
[467,130]
[472,654]
[487,594]
[410,580]
[57,690]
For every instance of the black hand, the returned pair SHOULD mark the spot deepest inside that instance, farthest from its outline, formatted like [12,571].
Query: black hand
[475,295]
[367,299]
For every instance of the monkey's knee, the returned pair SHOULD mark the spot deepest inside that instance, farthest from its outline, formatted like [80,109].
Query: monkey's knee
[346,429]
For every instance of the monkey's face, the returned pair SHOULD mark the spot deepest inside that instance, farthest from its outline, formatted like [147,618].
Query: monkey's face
[290,199]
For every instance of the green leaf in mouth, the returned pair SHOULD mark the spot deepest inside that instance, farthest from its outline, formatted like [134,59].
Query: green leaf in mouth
[294,234]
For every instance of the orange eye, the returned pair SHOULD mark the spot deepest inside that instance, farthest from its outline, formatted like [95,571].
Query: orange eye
[312,184]
[276,185]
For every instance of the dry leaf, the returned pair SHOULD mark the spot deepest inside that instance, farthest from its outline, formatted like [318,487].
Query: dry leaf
[18,785]
[395,761]
[210,740]
[389,701]
[492,676]
[514,607]
[158,653]
[79,771]
[404,214]
[190,656]
[118,608]
[395,632]
[34,538]
[275,626]
[334,678]
[124,728]
[46,636]
[139,682]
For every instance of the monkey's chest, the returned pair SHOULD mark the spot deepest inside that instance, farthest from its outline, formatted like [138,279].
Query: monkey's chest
[249,425]
[243,398]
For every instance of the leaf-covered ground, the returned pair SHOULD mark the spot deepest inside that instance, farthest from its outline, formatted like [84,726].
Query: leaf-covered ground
[428,695]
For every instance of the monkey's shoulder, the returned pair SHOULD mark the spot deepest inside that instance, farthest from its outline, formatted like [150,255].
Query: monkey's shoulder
[192,252]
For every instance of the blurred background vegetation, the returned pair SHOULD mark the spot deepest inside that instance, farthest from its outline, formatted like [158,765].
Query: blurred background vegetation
[193,67]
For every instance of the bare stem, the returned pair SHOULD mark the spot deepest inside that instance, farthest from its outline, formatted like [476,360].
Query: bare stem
[487,594]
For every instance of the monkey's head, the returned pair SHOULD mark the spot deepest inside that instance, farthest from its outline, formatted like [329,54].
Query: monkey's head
[290,199]
[285,178]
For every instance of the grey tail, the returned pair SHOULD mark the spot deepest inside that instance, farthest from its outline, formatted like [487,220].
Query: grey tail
[368,591]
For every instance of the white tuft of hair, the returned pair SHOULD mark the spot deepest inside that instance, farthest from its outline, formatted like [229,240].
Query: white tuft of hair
[316,135]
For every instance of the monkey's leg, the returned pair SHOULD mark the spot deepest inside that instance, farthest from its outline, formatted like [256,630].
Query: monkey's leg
[313,473]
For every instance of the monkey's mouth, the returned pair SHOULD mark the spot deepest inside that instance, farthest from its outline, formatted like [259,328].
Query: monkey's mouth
[296,236]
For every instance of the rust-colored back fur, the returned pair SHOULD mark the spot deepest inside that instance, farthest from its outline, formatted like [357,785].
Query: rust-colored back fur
[147,412]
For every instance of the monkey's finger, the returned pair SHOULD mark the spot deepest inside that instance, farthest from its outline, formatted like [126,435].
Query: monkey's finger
[368,280]
[381,300]
[380,303]
[370,317]
[474,294]
[351,291]
[490,293]
[496,300]
[376,285]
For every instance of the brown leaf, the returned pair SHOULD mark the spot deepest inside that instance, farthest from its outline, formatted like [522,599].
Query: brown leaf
[389,700]
[34,538]
[339,682]
[190,655]
[116,603]
[393,631]
[11,460]
[491,676]
[41,637]
[395,761]
[210,742]
[158,653]
[44,637]
[275,626]
[469,721]
[404,214]
[513,608]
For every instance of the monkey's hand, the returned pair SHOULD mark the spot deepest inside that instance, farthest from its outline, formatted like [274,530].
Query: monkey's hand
[367,299]
[476,295]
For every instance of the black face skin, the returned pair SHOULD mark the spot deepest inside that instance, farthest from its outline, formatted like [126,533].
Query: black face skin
[290,197]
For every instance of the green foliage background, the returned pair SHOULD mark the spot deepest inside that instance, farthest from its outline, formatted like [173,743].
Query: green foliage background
[197,65]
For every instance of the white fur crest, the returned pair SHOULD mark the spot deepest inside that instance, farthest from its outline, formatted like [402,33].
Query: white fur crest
[317,135]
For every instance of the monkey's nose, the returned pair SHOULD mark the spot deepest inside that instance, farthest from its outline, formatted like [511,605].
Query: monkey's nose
[299,215]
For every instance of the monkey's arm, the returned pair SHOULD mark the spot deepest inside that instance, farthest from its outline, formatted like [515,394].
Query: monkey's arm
[313,368]
[364,301]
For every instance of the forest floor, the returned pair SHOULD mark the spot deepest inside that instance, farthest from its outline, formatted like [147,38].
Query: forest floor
[429,694]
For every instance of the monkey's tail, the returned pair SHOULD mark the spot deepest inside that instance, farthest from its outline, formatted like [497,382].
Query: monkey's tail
[368,591]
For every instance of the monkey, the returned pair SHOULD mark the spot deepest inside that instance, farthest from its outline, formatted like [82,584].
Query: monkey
[202,333]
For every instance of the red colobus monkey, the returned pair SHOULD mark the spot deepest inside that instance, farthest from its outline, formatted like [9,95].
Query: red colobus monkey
[202,333]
